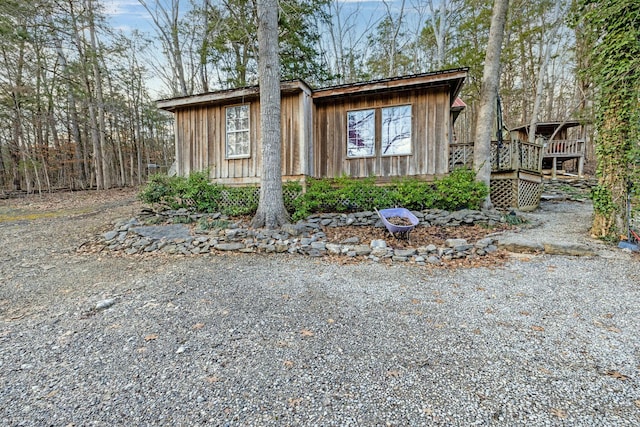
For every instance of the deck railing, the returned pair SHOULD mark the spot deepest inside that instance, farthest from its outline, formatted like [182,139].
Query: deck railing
[564,148]
[506,155]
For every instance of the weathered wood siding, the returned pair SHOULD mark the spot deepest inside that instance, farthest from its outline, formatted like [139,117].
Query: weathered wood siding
[430,135]
[201,140]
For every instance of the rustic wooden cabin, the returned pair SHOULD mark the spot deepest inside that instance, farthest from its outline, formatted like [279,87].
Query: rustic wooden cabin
[220,131]
[562,142]
[385,128]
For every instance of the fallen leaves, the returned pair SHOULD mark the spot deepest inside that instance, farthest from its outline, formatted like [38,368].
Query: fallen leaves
[306,333]
[197,326]
[293,402]
[560,413]
[637,403]
[617,375]
[421,236]
[288,364]
[51,394]
[151,337]
[537,328]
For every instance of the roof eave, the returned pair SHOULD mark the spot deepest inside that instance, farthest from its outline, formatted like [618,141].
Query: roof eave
[458,76]
[229,95]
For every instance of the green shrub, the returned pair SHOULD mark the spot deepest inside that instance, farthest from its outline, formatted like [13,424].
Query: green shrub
[186,219]
[200,194]
[456,191]
[240,200]
[459,190]
[412,194]
[206,223]
[161,190]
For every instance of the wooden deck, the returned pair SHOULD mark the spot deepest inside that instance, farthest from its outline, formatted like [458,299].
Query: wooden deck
[565,149]
[506,156]
[516,171]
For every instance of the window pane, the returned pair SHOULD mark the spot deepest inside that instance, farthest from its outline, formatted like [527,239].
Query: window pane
[231,144]
[243,143]
[237,130]
[396,130]
[361,133]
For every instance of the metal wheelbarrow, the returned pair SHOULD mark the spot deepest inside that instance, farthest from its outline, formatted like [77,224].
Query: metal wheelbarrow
[398,231]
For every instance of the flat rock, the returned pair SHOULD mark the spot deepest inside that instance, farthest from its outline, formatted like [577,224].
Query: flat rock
[229,246]
[362,249]
[378,244]
[105,303]
[571,249]
[169,232]
[110,235]
[452,243]
[521,246]
[403,253]
[333,248]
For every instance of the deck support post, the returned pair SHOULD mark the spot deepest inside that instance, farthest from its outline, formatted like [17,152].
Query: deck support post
[581,166]
[554,177]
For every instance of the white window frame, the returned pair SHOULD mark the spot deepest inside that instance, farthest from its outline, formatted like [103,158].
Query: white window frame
[239,130]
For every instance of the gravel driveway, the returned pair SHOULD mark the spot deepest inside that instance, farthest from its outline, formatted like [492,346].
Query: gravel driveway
[251,340]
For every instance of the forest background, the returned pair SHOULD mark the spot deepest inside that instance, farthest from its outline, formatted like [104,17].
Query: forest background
[77,88]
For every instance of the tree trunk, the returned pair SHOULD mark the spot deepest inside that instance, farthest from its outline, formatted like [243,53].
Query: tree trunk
[488,97]
[167,27]
[97,76]
[271,211]
[439,28]
[542,71]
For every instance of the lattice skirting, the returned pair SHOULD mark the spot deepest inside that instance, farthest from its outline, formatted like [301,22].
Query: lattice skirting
[519,193]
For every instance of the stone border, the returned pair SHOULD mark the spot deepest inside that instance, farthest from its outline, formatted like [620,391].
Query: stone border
[305,237]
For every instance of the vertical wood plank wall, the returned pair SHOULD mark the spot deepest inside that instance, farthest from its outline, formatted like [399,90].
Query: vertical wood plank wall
[430,135]
[200,140]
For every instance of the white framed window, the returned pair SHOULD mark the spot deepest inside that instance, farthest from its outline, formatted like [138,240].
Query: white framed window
[237,132]
[396,131]
[361,133]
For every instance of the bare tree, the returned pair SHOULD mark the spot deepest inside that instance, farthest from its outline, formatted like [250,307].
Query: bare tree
[271,212]
[542,71]
[167,23]
[440,21]
[343,43]
[488,96]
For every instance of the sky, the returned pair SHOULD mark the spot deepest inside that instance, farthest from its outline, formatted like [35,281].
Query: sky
[129,15]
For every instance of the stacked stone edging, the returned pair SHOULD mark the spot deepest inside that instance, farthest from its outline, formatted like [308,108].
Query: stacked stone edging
[305,237]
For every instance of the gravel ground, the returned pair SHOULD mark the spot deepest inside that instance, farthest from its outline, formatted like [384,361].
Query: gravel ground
[250,340]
